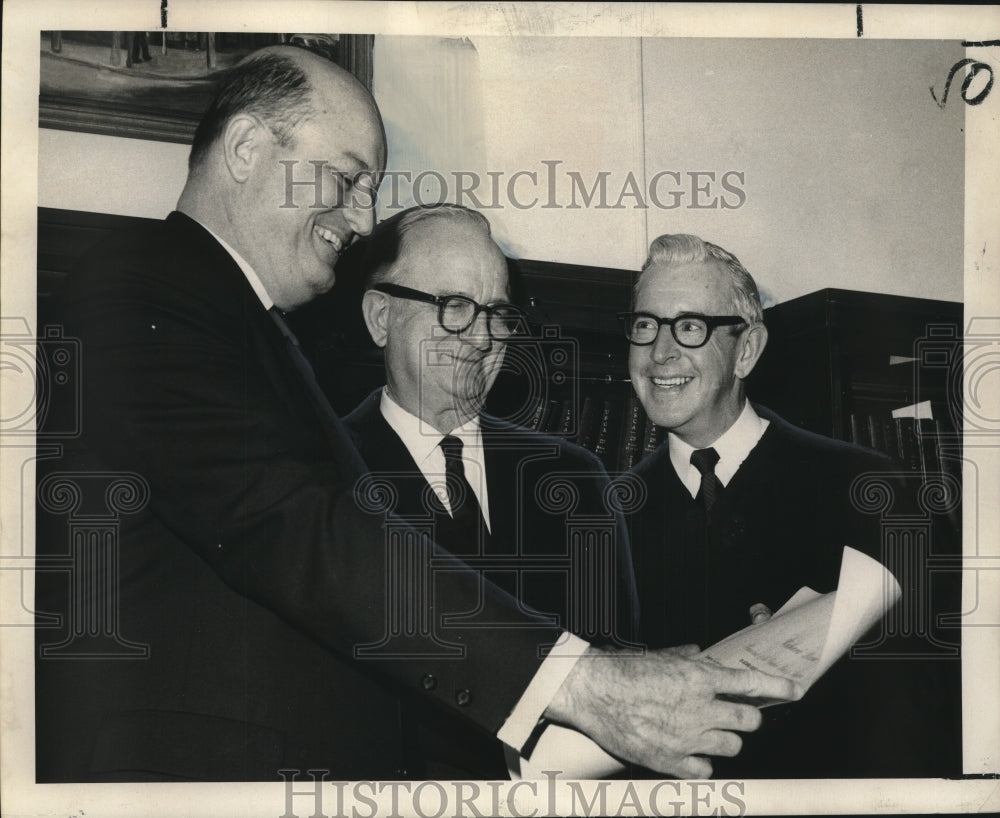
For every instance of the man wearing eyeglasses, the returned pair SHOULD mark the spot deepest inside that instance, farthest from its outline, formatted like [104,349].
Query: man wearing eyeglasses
[744,509]
[437,301]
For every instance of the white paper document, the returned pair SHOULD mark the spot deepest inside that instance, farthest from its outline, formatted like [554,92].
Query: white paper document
[811,631]
[800,642]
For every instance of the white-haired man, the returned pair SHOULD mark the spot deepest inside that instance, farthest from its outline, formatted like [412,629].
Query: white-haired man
[744,509]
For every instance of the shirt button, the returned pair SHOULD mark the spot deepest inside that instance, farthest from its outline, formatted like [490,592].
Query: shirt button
[428,682]
[463,697]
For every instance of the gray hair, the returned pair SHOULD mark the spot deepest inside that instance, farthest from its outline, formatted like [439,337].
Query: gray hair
[269,85]
[682,248]
[386,240]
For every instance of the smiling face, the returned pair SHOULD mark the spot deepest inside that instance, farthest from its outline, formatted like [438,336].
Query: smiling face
[442,378]
[293,234]
[695,393]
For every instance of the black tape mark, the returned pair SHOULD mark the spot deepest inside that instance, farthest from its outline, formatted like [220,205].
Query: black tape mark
[976,67]
[163,13]
[861,22]
[979,43]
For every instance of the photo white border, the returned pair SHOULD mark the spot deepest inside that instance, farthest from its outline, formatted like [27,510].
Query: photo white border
[24,19]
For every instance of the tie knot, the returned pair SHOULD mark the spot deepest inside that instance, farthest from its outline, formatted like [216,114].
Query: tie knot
[704,460]
[451,446]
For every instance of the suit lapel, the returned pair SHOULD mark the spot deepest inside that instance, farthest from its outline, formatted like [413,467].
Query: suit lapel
[227,288]
[501,465]
[378,443]
[386,454]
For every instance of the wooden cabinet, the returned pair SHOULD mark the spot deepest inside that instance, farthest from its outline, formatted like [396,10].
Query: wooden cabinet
[837,355]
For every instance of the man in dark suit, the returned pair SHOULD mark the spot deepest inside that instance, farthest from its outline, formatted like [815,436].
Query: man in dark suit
[522,491]
[235,605]
[743,509]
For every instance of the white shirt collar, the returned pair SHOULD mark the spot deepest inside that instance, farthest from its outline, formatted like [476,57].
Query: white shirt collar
[423,444]
[252,278]
[733,446]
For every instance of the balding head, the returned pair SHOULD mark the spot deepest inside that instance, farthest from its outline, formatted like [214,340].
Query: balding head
[439,375]
[275,84]
[285,166]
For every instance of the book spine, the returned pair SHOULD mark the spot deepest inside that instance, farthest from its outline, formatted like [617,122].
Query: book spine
[588,423]
[603,438]
[537,416]
[550,424]
[653,437]
[631,433]
[909,446]
[946,464]
[875,432]
[859,430]
[890,431]
[567,420]
[929,447]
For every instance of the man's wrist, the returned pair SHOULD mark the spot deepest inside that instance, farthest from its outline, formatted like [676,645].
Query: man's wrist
[543,688]
[564,707]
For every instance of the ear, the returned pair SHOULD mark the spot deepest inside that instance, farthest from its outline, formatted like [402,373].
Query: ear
[752,347]
[242,141]
[375,308]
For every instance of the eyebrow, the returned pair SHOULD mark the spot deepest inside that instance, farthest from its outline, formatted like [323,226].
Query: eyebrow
[466,294]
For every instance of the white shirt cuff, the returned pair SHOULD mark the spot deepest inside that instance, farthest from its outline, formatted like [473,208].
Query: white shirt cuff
[521,723]
[564,753]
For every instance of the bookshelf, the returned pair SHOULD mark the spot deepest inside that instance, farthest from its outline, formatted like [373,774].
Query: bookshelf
[839,362]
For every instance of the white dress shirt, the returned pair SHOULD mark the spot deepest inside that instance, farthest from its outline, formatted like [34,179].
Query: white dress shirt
[558,748]
[252,278]
[733,447]
[423,442]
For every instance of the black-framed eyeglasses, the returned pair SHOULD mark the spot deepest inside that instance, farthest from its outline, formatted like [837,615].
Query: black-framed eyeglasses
[690,329]
[456,313]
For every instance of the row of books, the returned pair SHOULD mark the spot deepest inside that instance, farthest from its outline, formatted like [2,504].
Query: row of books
[918,444]
[608,422]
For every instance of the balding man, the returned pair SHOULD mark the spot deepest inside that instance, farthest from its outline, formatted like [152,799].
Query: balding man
[250,588]
[437,301]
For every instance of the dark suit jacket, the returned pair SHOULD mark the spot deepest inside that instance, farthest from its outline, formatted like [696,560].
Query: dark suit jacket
[780,524]
[538,487]
[253,575]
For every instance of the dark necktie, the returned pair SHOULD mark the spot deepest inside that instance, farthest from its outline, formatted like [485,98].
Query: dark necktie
[336,433]
[704,461]
[466,525]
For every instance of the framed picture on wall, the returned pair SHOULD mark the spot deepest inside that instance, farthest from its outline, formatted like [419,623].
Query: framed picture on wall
[155,85]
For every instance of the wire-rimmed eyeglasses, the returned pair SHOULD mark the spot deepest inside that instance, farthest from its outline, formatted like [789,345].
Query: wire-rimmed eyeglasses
[690,329]
[456,313]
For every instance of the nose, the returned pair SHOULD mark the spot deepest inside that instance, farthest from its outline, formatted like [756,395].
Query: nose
[361,217]
[477,334]
[665,347]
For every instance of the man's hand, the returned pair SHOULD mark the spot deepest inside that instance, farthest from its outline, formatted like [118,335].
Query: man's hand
[660,710]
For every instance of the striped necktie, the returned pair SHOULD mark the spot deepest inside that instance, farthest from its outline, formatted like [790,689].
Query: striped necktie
[704,461]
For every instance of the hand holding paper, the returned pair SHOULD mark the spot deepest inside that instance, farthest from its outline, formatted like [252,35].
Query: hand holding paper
[799,642]
[811,631]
